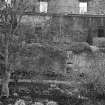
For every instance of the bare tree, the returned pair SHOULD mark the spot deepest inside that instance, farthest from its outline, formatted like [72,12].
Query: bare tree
[10,22]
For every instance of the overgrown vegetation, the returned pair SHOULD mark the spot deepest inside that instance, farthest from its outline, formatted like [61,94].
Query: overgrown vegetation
[29,57]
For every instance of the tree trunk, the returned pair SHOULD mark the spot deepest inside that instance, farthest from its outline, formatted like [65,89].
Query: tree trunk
[6,73]
[5,82]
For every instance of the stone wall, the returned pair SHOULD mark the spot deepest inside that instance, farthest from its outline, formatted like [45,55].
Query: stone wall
[96,7]
[63,6]
[69,6]
[72,6]
[67,28]
[76,28]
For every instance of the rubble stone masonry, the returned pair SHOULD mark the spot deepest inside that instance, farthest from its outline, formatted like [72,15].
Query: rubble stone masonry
[72,6]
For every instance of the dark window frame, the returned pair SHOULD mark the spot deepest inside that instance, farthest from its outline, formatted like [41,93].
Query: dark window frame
[101,31]
[43,0]
[84,0]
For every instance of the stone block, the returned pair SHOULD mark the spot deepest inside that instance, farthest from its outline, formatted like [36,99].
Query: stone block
[99,42]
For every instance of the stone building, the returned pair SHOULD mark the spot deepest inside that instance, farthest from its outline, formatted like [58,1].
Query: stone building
[70,6]
[67,6]
[71,25]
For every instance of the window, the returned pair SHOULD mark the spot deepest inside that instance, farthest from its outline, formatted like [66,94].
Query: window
[8,1]
[38,30]
[43,6]
[101,31]
[82,7]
